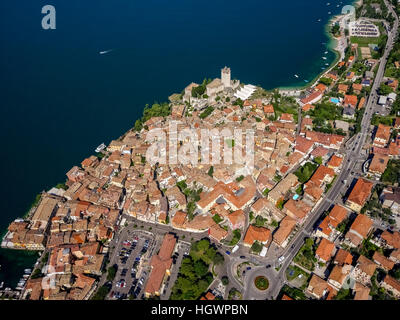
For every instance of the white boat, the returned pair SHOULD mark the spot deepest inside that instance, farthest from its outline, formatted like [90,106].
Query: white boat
[324,58]
[296,75]
[305,80]
[28,271]
[1,285]
[100,147]
[106,51]
[329,12]
[327,64]
[326,52]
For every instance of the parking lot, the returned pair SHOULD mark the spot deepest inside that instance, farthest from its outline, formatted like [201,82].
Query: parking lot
[131,261]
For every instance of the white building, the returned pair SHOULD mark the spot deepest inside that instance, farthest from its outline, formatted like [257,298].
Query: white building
[245,92]
[382,100]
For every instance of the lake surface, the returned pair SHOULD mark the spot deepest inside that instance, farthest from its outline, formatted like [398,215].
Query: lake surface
[60,98]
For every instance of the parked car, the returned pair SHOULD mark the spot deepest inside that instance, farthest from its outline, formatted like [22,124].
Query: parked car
[281,258]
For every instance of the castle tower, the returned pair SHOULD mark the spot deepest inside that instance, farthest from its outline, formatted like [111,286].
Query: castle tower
[226,77]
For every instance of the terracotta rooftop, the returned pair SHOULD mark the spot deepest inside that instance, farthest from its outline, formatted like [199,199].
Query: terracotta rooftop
[392,239]
[269,108]
[325,139]
[335,161]
[339,273]
[297,209]
[379,163]
[236,217]
[160,263]
[383,132]
[217,232]
[366,265]
[247,186]
[343,257]
[343,87]
[325,249]
[362,225]
[361,103]
[337,215]
[179,219]
[308,107]
[257,234]
[286,227]
[362,292]
[303,145]
[361,192]
[318,286]
[392,282]
[286,117]
[311,97]
[383,261]
[321,87]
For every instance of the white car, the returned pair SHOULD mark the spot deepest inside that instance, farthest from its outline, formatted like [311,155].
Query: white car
[281,258]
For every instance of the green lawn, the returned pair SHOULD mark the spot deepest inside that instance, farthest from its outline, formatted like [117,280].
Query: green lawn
[297,271]
[306,255]
[364,42]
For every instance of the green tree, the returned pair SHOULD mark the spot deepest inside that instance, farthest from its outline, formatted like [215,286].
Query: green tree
[218,259]
[385,89]
[256,247]
[225,280]
[200,268]
[318,160]
[211,171]
[111,272]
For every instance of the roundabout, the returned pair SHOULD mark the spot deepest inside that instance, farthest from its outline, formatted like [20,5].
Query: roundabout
[261,283]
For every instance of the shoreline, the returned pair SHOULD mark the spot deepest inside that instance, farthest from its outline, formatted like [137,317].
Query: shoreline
[333,46]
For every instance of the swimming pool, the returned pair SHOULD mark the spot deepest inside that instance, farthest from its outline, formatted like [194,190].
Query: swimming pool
[335,100]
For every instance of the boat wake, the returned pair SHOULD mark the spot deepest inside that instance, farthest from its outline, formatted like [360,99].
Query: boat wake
[106,51]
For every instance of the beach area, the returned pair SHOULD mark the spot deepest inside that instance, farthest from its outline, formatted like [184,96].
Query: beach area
[337,45]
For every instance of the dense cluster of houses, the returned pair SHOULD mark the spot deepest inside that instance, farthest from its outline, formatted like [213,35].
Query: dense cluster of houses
[338,267]
[76,224]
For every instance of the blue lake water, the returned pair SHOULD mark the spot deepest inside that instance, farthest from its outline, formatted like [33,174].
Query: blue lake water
[60,98]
